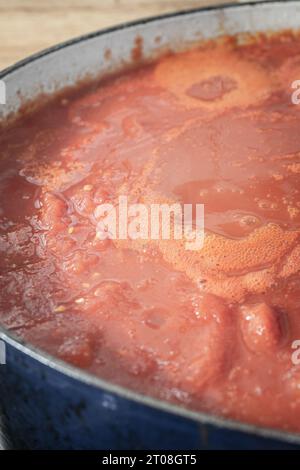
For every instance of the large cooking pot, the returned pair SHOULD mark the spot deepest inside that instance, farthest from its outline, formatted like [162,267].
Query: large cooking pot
[47,404]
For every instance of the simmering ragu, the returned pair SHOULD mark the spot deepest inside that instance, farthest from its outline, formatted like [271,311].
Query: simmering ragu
[209,329]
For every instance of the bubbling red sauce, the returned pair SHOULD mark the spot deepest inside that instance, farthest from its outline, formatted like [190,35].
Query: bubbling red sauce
[209,329]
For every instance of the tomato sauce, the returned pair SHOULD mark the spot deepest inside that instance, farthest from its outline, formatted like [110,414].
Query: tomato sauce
[210,329]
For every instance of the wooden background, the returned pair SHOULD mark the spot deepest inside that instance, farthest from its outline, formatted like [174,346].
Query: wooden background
[27,26]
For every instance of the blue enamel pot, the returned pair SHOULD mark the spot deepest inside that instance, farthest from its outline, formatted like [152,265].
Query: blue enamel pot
[48,404]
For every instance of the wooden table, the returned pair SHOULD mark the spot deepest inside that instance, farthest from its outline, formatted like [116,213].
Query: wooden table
[27,26]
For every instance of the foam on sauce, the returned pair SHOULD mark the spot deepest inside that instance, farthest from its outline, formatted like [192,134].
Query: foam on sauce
[209,329]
